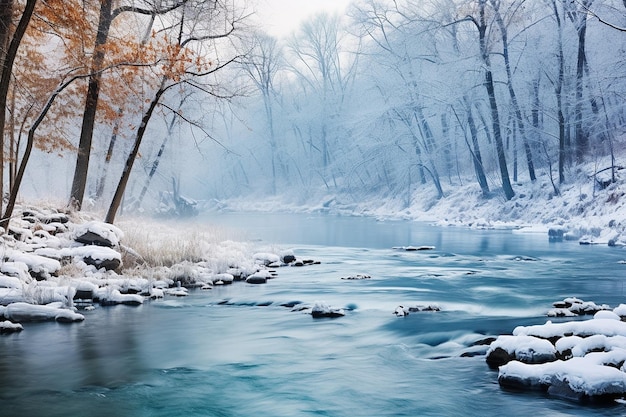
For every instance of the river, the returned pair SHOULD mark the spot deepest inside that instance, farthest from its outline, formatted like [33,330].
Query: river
[235,351]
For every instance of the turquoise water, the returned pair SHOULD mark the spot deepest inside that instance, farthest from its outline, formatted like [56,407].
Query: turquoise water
[235,351]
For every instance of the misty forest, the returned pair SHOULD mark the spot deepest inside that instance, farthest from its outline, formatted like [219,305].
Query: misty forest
[242,223]
[132,105]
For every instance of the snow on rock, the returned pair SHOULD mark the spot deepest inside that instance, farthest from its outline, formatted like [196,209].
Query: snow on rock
[29,312]
[266,258]
[11,295]
[10,282]
[113,296]
[221,279]
[620,310]
[287,256]
[402,311]
[98,233]
[607,327]
[321,309]
[178,291]
[40,267]
[574,360]
[259,277]
[573,306]
[414,248]
[16,269]
[98,256]
[576,346]
[527,349]
[605,314]
[9,327]
[577,378]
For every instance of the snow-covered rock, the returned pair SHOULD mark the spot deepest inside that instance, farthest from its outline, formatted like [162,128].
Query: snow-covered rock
[40,267]
[266,258]
[321,309]
[24,312]
[527,349]
[575,360]
[259,277]
[577,378]
[98,233]
[112,297]
[9,327]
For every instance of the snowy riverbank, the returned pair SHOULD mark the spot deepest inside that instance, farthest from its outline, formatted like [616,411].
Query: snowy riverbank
[582,211]
[56,264]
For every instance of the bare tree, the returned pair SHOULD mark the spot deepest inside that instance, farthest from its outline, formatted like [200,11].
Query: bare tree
[197,27]
[107,15]
[265,61]
[481,25]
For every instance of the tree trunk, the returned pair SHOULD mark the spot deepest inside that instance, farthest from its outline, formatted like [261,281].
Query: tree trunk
[516,106]
[109,155]
[121,186]
[558,90]
[582,139]
[476,155]
[157,159]
[429,141]
[79,182]
[495,117]
[8,58]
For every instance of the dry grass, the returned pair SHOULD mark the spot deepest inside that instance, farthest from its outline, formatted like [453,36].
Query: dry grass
[155,244]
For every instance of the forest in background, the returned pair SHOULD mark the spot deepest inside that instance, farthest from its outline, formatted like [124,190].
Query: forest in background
[394,98]
[402,95]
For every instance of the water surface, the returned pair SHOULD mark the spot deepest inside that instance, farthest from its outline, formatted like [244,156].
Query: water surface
[235,351]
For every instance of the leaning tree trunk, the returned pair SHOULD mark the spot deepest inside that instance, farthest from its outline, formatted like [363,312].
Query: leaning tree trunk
[8,58]
[157,161]
[121,186]
[476,155]
[109,155]
[429,141]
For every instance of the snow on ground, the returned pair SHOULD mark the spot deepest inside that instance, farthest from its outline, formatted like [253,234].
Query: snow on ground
[47,273]
[581,210]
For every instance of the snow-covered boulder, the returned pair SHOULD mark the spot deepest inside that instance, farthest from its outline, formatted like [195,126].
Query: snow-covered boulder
[527,349]
[287,256]
[98,233]
[259,277]
[17,270]
[266,258]
[9,327]
[99,256]
[11,295]
[573,306]
[575,379]
[590,357]
[10,282]
[30,312]
[40,267]
[221,279]
[110,296]
[402,311]
[321,309]
[357,277]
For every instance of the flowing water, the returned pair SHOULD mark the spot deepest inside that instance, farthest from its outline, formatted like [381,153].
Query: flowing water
[235,351]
